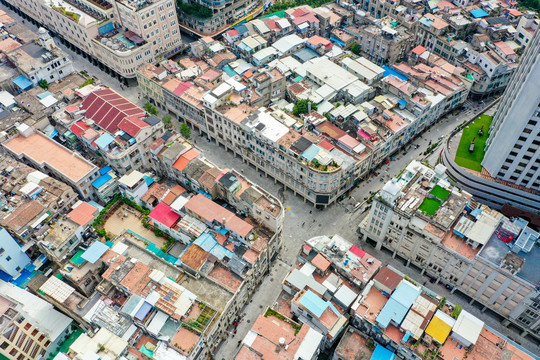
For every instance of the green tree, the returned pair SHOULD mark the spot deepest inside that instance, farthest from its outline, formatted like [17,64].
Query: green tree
[43,84]
[151,109]
[355,48]
[185,131]
[301,107]
[167,122]
[195,9]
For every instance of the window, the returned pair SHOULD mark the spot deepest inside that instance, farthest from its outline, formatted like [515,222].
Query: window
[8,258]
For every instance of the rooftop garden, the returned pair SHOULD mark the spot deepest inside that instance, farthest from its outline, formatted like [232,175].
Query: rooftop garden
[466,158]
[195,9]
[69,14]
[315,164]
[429,206]
[440,193]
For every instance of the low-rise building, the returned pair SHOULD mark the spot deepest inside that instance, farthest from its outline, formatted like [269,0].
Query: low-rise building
[48,156]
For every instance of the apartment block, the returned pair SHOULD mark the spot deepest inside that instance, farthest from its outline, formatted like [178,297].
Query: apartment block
[223,14]
[459,242]
[119,130]
[31,327]
[119,36]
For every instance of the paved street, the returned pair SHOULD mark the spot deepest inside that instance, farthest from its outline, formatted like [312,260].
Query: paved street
[302,221]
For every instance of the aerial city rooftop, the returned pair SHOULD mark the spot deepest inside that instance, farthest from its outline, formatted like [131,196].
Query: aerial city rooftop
[258,180]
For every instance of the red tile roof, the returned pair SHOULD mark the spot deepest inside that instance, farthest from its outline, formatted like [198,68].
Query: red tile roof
[232,32]
[181,89]
[325,144]
[107,108]
[132,125]
[78,128]
[163,214]
[321,262]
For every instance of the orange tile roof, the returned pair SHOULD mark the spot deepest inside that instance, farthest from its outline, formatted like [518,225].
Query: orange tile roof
[135,275]
[321,262]
[194,257]
[83,213]
[225,278]
[23,215]
[185,159]
[210,211]
[247,354]
[184,340]
[42,149]
[250,256]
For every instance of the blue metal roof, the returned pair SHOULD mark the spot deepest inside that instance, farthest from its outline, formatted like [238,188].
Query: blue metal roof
[105,170]
[315,304]
[392,310]
[23,83]
[229,71]
[43,95]
[104,140]
[382,353]
[206,242]
[220,252]
[388,71]
[406,293]
[311,152]
[94,252]
[479,13]
[102,180]
[143,311]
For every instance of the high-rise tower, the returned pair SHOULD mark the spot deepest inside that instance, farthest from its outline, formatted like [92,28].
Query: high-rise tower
[513,146]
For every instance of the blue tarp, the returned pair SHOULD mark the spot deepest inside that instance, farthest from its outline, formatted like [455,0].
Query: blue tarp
[205,194]
[298,78]
[149,180]
[143,311]
[23,83]
[94,252]
[388,71]
[382,353]
[402,102]
[104,140]
[105,170]
[479,13]
[311,152]
[102,180]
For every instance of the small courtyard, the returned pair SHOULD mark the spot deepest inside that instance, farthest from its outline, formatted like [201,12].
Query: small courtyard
[473,160]
[127,218]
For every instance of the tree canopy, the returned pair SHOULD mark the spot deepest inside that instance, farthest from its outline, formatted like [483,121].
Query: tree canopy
[301,107]
[185,131]
[151,109]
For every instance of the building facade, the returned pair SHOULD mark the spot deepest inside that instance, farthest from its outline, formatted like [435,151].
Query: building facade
[463,244]
[513,146]
[119,36]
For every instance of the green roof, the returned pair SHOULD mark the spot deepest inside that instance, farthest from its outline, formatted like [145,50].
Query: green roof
[280,14]
[77,259]
[473,160]
[429,206]
[440,193]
